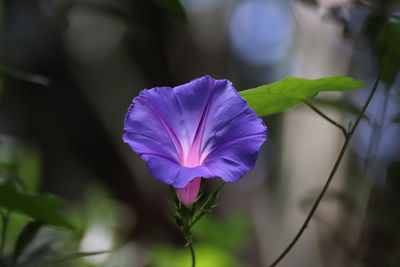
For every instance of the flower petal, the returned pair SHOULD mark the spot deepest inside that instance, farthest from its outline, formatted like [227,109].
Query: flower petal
[152,124]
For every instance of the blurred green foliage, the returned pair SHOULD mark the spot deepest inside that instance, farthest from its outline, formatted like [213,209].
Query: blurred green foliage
[41,207]
[95,207]
[25,237]
[30,239]
[28,167]
[173,7]
[206,256]
[387,50]
[216,241]
[229,234]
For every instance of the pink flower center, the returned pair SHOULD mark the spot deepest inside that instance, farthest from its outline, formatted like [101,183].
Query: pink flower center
[194,158]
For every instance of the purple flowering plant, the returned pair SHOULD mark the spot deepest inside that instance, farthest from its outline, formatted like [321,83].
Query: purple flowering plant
[205,129]
[202,129]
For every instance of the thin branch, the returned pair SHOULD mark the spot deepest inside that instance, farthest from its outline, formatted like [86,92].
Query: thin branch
[331,175]
[323,115]
[25,76]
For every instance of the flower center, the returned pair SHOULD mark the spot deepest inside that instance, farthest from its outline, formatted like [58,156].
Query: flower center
[193,158]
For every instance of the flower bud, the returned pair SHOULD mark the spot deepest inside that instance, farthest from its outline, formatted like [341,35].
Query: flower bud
[188,194]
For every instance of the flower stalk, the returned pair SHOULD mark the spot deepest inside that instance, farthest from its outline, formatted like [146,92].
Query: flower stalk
[186,216]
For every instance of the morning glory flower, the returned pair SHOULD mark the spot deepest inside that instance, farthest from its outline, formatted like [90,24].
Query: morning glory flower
[202,129]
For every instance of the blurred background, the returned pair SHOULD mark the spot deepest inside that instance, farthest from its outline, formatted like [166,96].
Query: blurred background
[70,68]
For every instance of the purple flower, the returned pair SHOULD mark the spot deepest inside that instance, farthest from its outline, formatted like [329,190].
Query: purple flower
[200,129]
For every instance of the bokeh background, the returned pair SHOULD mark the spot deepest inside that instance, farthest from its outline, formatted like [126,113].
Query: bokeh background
[70,69]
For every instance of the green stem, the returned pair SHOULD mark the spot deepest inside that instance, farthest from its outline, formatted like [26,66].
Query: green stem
[323,115]
[193,254]
[4,217]
[331,175]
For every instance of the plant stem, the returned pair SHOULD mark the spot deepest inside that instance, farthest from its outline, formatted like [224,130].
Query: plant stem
[323,115]
[4,217]
[331,175]
[189,240]
[193,254]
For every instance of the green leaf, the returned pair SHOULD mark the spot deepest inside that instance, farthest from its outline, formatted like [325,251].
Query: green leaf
[41,207]
[173,7]
[276,97]
[25,238]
